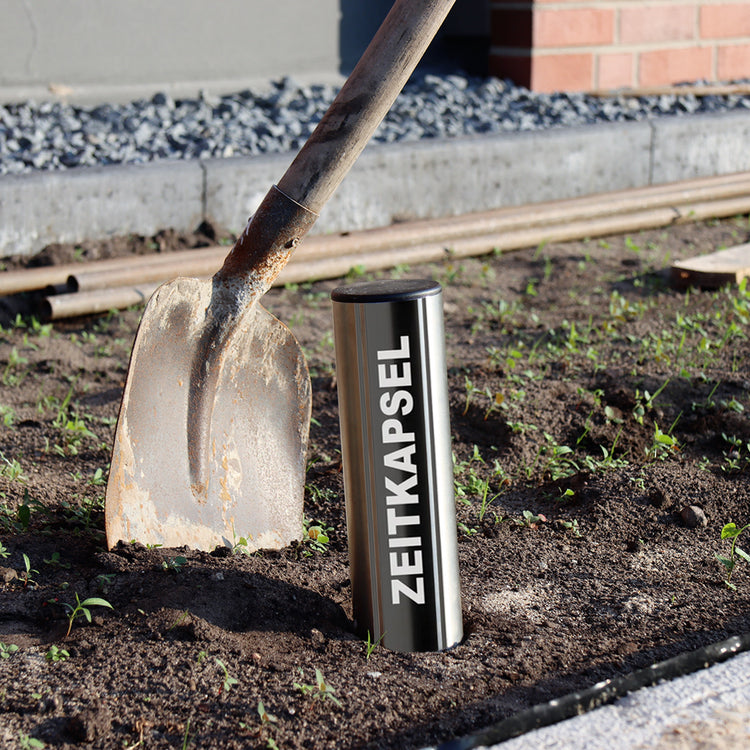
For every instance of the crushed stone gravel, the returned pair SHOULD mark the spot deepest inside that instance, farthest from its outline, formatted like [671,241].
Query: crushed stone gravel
[56,136]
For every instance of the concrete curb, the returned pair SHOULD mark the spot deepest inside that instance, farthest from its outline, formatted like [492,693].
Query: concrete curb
[425,179]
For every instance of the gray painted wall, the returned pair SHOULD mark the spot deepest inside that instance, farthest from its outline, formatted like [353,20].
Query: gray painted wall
[97,50]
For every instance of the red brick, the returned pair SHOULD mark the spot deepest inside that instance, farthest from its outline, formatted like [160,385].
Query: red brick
[573,72]
[657,23]
[659,67]
[615,70]
[511,28]
[574,27]
[546,73]
[733,61]
[724,21]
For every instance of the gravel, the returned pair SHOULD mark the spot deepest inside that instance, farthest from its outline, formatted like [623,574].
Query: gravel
[54,136]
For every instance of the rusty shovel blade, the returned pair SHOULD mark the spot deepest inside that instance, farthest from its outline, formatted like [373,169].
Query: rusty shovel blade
[211,441]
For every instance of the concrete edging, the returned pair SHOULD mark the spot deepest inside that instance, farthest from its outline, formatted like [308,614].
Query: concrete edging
[424,179]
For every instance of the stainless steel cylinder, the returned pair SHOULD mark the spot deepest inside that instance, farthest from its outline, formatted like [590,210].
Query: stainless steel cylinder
[398,471]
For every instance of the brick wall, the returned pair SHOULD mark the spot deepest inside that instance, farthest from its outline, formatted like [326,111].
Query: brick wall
[581,45]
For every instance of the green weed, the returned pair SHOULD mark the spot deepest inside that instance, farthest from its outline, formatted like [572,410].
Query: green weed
[28,573]
[227,681]
[14,371]
[173,564]
[316,535]
[320,691]
[733,532]
[371,646]
[56,654]
[82,608]
[7,650]
[11,469]
[265,717]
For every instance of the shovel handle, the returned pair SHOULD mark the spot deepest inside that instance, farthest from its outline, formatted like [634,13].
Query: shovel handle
[291,207]
[363,101]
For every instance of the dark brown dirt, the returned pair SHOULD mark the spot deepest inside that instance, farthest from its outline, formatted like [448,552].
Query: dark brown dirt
[600,414]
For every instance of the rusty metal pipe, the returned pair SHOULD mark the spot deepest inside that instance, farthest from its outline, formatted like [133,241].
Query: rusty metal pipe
[300,269]
[313,249]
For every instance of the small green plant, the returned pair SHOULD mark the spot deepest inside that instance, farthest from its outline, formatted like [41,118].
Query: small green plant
[7,416]
[265,717]
[11,469]
[173,564]
[55,561]
[371,645]
[227,680]
[321,690]
[4,551]
[104,581]
[662,445]
[14,371]
[645,402]
[27,576]
[737,457]
[571,526]
[29,743]
[531,520]
[486,501]
[732,531]
[82,608]
[316,535]
[98,478]
[186,738]
[7,650]
[56,654]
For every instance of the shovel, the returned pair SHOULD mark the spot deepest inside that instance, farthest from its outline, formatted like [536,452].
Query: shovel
[211,439]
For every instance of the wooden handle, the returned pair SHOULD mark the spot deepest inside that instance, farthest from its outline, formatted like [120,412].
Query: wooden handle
[363,101]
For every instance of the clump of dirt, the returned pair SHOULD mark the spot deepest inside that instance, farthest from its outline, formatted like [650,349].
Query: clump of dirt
[601,441]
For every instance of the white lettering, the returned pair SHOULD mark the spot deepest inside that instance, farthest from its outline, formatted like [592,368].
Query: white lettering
[390,377]
[404,542]
[400,459]
[403,565]
[400,401]
[393,432]
[399,587]
[402,353]
[399,495]
[395,522]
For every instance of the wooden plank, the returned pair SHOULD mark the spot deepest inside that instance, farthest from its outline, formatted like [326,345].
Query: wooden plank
[728,266]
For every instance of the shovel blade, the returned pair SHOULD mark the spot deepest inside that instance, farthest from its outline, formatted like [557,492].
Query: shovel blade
[257,436]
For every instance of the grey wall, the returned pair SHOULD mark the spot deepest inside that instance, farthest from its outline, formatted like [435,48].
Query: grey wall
[99,50]
[117,48]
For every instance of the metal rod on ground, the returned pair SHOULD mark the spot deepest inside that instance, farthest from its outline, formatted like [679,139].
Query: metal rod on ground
[447,230]
[95,302]
[84,303]
[515,240]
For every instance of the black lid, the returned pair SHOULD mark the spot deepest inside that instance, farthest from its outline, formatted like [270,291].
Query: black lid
[386,290]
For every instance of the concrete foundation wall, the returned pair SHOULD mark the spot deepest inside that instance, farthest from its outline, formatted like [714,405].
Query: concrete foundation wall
[89,49]
[428,179]
[103,50]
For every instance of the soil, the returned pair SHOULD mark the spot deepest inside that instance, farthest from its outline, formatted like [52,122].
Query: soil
[599,414]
